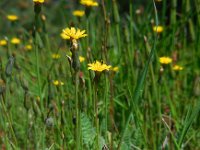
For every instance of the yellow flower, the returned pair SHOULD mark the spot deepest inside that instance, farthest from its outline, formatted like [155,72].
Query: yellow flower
[165,60]
[78,13]
[115,69]
[55,56]
[57,83]
[3,42]
[15,41]
[65,37]
[38,1]
[12,17]
[28,47]
[158,29]
[37,98]
[81,59]
[73,34]
[89,3]
[177,68]
[98,66]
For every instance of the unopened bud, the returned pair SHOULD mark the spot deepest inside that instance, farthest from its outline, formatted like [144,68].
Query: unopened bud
[49,122]
[27,101]
[9,66]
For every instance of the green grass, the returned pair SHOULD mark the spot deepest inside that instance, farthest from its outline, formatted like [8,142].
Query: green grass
[144,105]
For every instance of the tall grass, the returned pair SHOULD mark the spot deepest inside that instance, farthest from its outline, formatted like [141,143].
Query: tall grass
[50,100]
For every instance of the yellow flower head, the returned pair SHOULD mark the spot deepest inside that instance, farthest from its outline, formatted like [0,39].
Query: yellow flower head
[15,41]
[165,60]
[38,1]
[98,66]
[177,68]
[81,59]
[57,83]
[55,56]
[3,42]
[64,36]
[115,69]
[158,29]
[78,13]
[89,3]
[28,47]
[73,34]
[12,17]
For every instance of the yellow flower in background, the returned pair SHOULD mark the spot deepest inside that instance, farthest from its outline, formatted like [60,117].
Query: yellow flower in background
[73,34]
[37,98]
[3,42]
[115,69]
[98,66]
[65,37]
[28,47]
[43,17]
[38,1]
[12,17]
[89,3]
[15,41]
[177,68]
[158,29]
[57,83]
[55,56]
[81,59]
[79,13]
[165,60]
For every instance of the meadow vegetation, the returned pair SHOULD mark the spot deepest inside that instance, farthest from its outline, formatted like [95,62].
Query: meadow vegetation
[99,75]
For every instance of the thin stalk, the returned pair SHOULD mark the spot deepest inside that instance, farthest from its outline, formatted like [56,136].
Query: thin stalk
[104,51]
[76,67]
[106,108]
[37,42]
[105,40]
[191,25]
[96,114]
[173,21]
[197,3]
[117,26]
[27,130]
[112,110]
[38,68]
[173,12]
[88,31]
[118,38]
[9,120]
[173,111]
[77,111]
[131,26]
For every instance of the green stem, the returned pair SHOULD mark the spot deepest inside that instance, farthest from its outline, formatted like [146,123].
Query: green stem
[38,67]
[77,112]
[9,119]
[191,25]
[106,108]
[96,115]
[131,25]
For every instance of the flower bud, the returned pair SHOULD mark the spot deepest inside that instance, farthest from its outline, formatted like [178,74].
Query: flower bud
[9,66]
